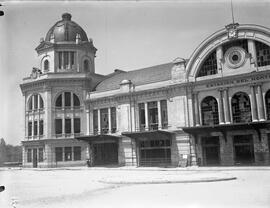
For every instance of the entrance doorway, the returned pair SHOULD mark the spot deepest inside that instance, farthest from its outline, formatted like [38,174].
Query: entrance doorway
[105,153]
[211,150]
[155,152]
[243,149]
[34,158]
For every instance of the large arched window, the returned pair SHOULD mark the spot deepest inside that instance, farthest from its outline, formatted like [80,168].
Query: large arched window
[263,54]
[66,124]
[241,110]
[46,65]
[209,109]
[209,66]
[35,102]
[267,104]
[70,100]
[86,65]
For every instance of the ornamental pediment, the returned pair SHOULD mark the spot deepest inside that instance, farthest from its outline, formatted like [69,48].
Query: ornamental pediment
[44,45]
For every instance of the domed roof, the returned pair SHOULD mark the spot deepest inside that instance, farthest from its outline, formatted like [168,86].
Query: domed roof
[65,30]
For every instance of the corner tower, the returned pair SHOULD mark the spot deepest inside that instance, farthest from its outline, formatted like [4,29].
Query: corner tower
[54,97]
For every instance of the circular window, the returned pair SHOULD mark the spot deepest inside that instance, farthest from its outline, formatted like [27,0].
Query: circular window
[235,57]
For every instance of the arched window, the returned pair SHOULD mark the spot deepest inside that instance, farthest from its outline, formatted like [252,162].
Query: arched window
[241,110]
[209,109]
[58,102]
[63,126]
[263,54]
[209,66]
[76,101]
[67,101]
[86,65]
[46,65]
[267,104]
[35,102]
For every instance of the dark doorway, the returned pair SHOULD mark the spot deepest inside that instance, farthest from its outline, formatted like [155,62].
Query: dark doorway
[105,154]
[243,149]
[34,158]
[211,150]
[155,152]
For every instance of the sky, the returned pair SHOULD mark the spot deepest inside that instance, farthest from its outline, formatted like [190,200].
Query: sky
[128,35]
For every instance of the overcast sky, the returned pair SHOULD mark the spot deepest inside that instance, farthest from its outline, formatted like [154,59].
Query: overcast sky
[128,36]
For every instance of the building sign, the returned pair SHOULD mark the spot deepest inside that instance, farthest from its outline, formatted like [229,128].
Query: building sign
[238,81]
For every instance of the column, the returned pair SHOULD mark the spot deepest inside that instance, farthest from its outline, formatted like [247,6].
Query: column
[62,58]
[219,56]
[71,101]
[38,100]
[226,106]
[33,103]
[109,120]
[159,115]
[63,101]
[253,104]
[252,51]
[260,103]
[33,124]
[72,124]
[146,116]
[91,121]
[87,121]
[221,107]
[99,122]
[69,60]
[196,108]
[63,125]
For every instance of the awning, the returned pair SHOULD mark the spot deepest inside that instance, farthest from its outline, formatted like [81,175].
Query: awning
[99,137]
[154,133]
[224,128]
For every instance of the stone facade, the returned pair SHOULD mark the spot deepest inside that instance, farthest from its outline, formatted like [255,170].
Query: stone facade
[212,109]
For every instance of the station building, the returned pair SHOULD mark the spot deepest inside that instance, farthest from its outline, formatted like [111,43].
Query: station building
[210,109]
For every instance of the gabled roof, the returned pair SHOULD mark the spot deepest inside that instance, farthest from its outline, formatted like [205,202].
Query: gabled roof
[143,76]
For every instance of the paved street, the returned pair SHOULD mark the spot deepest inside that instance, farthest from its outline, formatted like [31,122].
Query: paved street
[116,187]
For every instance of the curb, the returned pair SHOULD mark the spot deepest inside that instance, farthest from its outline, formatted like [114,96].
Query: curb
[207,180]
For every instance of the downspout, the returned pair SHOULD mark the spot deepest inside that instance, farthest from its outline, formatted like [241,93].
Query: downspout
[130,113]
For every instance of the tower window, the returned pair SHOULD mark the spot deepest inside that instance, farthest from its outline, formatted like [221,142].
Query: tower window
[58,102]
[58,126]
[66,59]
[77,125]
[35,128]
[35,102]
[67,99]
[76,101]
[41,127]
[46,65]
[67,125]
[86,65]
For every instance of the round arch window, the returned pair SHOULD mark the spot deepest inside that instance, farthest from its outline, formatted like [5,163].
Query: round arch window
[46,65]
[235,57]
[86,65]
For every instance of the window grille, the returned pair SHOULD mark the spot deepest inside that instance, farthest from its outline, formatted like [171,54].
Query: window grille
[263,54]
[209,109]
[241,108]
[209,66]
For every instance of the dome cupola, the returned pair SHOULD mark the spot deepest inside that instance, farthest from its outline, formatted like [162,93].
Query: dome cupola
[66,30]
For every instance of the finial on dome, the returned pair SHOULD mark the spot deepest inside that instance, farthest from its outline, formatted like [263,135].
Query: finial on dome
[66,16]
